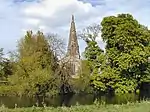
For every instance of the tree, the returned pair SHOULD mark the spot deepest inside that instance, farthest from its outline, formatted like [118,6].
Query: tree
[57,45]
[5,67]
[82,83]
[93,53]
[1,63]
[34,72]
[127,52]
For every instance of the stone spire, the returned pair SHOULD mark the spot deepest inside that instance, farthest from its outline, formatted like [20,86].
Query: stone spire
[73,47]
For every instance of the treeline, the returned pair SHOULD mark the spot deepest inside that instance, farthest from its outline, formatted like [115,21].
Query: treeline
[124,64]
[36,67]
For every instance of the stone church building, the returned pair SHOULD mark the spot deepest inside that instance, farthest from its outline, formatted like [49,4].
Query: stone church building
[72,56]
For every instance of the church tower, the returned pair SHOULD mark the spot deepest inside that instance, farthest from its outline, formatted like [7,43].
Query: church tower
[73,47]
[73,55]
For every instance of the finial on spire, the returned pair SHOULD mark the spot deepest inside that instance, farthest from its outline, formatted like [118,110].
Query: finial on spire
[72,18]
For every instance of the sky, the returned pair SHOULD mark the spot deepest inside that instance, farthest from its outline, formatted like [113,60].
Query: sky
[54,16]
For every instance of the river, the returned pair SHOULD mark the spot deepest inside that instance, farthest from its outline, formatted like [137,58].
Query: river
[82,99]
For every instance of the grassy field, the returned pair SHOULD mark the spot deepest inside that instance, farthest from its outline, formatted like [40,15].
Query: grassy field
[131,107]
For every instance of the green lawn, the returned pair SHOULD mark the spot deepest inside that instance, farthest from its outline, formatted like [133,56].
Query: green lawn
[131,107]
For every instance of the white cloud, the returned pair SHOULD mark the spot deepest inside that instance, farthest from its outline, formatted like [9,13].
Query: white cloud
[33,21]
[46,8]
[57,13]
[54,16]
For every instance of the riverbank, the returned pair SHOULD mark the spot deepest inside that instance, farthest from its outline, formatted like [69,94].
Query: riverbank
[130,107]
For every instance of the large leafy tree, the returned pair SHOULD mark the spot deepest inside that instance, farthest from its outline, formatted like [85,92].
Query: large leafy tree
[127,52]
[35,67]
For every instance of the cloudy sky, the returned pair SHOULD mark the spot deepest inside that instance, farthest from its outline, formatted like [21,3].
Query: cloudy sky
[53,16]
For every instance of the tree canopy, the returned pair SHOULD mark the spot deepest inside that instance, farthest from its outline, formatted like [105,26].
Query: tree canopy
[36,68]
[127,52]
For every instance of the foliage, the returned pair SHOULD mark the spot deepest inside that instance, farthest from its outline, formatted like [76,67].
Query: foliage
[94,55]
[124,65]
[6,67]
[127,52]
[82,83]
[92,51]
[35,68]
[2,74]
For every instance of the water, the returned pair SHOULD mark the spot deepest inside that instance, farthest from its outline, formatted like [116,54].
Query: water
[85,99]
[73,99]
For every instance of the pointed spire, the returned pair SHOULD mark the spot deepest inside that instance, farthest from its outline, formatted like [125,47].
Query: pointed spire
[72,18]
[73,55]
[73,48]
[73,28]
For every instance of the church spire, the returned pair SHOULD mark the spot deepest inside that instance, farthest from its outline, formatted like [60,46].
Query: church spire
[73,47]
[72,18]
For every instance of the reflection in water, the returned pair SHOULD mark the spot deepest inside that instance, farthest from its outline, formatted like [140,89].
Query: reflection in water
[144,91]
[66,93]
[67,100]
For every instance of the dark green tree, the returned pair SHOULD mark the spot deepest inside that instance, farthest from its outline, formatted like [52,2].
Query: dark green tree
[1,64]
[6,67]
[93,53]
[127,52]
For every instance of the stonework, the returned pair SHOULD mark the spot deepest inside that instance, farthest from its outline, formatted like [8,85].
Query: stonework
[73,55]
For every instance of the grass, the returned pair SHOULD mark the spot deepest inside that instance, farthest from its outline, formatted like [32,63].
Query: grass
[144,106]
